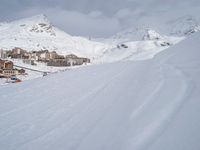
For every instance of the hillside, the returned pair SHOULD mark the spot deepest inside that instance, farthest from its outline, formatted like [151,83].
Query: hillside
[137,44]
[143,42]
[150,104]
[37,33]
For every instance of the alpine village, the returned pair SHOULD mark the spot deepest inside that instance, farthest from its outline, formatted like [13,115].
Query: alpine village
[9,70]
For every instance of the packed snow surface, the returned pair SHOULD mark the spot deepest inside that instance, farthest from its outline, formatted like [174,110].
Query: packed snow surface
[147,104]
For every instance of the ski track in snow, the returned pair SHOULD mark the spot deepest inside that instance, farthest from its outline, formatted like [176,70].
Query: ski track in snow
[151,130]
[90,106]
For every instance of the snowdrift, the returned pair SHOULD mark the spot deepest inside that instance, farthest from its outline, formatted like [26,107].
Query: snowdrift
[152,104]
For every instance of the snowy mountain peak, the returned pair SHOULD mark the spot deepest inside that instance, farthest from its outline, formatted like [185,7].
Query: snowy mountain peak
[130,34]
[41,18]
[37,33]
[151,35]
[138,34]
[36,24]
[42,27]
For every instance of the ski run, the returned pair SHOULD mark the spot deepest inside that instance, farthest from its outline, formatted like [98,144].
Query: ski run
[148,104]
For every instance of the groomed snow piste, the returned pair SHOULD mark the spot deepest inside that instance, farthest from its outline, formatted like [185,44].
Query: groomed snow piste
[141,105]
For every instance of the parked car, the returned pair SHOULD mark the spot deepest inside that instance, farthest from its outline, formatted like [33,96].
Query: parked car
[14,79]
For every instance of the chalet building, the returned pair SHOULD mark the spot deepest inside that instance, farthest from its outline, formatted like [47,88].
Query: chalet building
[53,55]
[44,56]
[7,70]
[8,65]
[75,60]
[5,64]
[11,72]
[60,57]
[69,60]
[27,55]
[86,60]
[2,64]
[71,56]
[58,63]
[29,61]
[51,58]
[17,53]
[35,55]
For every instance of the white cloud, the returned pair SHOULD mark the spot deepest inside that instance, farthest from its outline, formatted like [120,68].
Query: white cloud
[122,13]
[95,14]
[101,18]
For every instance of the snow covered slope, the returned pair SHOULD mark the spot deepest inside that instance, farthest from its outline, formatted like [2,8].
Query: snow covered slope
[140,105]
[137,44]
[145,39]
[137,34]
[184,26]
[38,33]
[144,43]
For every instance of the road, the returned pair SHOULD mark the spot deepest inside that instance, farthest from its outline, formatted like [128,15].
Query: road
[22,67]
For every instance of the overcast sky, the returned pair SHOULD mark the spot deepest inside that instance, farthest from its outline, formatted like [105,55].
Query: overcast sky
[99,18]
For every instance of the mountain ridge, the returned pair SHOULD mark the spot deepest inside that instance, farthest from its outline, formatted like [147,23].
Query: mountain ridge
[38,33]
